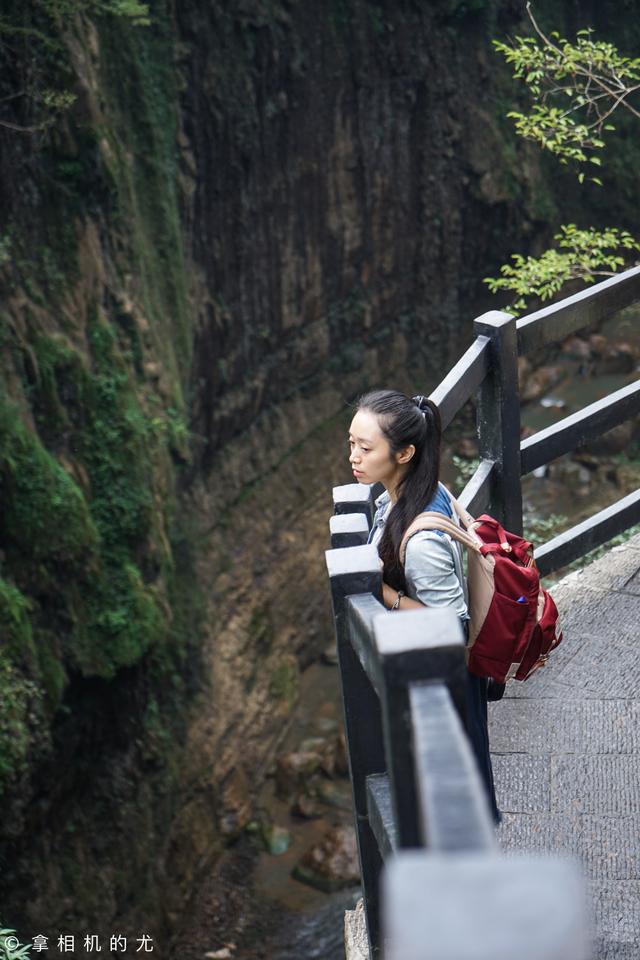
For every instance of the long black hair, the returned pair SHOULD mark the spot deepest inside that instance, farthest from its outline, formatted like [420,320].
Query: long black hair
[405,421]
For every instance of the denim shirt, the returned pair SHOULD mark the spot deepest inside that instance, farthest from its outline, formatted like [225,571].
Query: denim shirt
[433,563]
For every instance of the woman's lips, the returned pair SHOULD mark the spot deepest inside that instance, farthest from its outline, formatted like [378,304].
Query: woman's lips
[356,473]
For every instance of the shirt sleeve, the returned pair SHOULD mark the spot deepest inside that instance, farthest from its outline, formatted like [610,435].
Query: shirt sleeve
[431,574]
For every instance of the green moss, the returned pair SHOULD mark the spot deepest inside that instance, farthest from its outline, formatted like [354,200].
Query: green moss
[45,518]
[140,88]
[52,675]
[19,702]
[108,613]
[283,684]
[16,624]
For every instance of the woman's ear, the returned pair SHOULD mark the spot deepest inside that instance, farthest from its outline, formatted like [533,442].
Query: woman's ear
[403,456]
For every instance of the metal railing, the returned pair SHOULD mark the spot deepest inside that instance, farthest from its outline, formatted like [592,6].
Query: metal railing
[418,800]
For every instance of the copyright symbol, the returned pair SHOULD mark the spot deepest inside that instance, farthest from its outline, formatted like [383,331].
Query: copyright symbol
[11,943]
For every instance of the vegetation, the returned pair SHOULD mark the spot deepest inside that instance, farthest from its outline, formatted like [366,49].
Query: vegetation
[10,946]
[40,90]
[574,89]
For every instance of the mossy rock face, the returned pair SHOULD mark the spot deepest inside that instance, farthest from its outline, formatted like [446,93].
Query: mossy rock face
[82,529]
[24,734]
[45,518]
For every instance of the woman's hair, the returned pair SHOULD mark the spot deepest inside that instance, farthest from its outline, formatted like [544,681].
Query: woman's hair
[406,421]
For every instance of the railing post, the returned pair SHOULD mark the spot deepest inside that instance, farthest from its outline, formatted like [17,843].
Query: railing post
[499,416]
[355,570]
[414,646]
[348,529]
[356,498]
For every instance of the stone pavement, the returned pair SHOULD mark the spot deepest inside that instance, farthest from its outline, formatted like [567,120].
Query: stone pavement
[566,747]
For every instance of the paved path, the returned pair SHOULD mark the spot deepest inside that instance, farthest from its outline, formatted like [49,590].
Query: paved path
[566,747]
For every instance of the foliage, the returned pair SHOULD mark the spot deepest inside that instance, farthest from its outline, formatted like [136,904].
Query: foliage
[9,951]
[579,255]
[540,529]
[33,54]
[466,469]
[18,718]
[574,88]
[45,516]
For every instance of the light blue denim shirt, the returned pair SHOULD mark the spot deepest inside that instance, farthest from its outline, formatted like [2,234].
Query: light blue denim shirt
[433,564]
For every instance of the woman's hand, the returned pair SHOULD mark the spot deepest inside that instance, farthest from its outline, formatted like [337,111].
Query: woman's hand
[390,595]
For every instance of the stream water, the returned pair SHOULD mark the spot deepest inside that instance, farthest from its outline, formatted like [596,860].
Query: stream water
[311,924]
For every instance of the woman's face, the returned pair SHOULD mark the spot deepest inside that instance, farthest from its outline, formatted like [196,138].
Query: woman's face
[371,458]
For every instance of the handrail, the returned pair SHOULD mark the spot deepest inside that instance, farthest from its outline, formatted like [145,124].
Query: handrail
[559,320]
[496,483]
[586,424]
[463,380]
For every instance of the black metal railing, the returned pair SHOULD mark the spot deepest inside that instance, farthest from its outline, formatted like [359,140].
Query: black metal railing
[416,790]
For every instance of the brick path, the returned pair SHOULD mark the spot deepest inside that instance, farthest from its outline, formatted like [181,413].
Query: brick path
[566,747]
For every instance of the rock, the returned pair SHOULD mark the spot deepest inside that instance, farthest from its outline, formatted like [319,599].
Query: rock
[550,401]
[276,839]
[524,369]
[571,473]
[313,745]
[330,655]
[331,864]
[306,807]
[234,808]
[326,750]
[617,358]
[294,769]
[540,472]
[575,348]
[326,724]
[342,760]
[356,942]
[614,441]
[540,381]
[598,345]
[334,796]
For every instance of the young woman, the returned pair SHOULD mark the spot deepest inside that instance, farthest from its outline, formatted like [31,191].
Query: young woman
[396,441]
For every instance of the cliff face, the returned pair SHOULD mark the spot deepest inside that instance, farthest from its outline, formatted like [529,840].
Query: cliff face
[252,211]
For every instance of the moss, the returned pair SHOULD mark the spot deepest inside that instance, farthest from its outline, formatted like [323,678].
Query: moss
[52,675]
[283,683]
[109,613]
[19,721]
[45,518]
[140,89]
[17,634]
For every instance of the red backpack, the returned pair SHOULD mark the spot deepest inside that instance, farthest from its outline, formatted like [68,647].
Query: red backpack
[514,621]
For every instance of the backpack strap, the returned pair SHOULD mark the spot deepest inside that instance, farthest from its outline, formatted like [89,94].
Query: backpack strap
[437,521]
[465,517]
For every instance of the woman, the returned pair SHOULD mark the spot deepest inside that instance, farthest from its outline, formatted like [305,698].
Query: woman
[396,441]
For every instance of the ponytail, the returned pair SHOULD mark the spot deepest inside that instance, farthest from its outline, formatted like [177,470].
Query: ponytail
[403,422]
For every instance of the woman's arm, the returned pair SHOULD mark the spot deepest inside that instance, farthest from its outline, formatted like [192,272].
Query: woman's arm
[389,597]
[431,573]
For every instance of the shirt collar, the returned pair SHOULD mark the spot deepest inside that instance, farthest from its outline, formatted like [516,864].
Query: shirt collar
[383,499]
